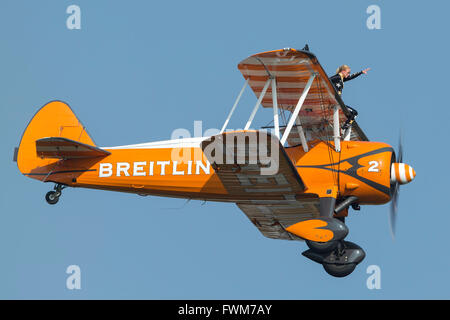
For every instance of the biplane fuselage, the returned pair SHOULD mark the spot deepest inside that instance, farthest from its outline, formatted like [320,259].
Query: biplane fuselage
[361,169]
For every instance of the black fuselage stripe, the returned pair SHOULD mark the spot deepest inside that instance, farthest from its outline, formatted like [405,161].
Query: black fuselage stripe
[56,172]
[355,166]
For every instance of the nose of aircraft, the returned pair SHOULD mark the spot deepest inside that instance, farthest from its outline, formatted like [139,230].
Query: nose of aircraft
[402,173]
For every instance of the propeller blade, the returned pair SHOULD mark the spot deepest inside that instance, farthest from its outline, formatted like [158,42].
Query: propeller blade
[394,208]
[396,192]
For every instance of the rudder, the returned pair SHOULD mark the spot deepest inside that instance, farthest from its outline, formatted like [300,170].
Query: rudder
[55,119]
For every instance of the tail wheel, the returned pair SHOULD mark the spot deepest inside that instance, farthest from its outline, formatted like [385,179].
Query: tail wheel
[322,247]
[52,197]
[339,270]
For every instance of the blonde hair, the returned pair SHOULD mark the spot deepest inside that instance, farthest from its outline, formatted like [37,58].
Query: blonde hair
[342,68]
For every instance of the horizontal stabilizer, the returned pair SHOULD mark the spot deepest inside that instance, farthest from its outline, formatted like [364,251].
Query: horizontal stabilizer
[63,148]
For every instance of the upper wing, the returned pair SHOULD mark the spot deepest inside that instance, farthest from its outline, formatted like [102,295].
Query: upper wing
[292,69]
[63,148]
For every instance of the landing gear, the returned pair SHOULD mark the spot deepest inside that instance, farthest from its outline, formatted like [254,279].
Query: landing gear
[339,270]
[340,261]
[322,247]
[52,197]
[339,258]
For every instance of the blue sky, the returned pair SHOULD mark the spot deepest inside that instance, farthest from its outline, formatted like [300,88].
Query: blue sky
[117,73]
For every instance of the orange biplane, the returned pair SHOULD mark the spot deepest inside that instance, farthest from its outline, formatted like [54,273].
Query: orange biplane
[295,181]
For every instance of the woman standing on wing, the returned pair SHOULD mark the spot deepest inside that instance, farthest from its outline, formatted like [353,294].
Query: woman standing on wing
[342,75]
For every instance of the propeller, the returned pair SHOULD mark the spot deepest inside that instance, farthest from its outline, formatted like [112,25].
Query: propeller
[401,173]
[394,208]
[395,192]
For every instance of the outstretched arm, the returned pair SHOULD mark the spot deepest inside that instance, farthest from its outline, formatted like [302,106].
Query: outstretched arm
[355,75]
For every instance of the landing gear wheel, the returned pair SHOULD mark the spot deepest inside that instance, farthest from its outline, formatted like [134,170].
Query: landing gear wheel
[339,270]
[52,197]
[322,247]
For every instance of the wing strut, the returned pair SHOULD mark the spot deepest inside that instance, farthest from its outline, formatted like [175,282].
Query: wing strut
[235,105]
[297,108]
[301,133]
[261,96]
[275,108]
[336,127]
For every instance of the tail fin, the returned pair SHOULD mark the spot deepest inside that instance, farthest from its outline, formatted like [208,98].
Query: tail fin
[55,119]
